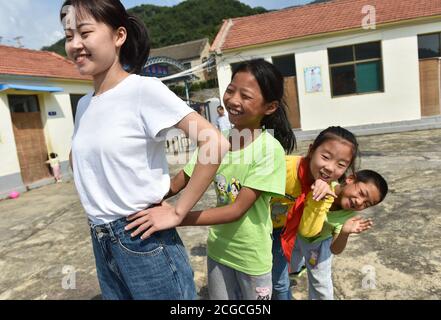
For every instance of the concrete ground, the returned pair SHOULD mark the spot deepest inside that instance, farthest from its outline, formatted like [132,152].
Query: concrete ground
[45,250]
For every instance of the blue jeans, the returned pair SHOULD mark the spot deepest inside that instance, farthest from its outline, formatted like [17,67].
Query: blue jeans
[281,283]
[318,261]
[157,268]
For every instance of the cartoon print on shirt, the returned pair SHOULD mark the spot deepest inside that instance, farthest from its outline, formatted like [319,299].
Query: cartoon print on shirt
[233,189]
[221,189]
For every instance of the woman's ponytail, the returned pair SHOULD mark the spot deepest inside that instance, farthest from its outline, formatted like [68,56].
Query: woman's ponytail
[136,49]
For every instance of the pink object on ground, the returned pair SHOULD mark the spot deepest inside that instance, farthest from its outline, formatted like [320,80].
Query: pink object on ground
[14,195]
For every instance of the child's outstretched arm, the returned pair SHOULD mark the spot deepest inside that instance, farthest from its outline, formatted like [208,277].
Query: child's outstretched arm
[225,214]
[212,216]
[353,225]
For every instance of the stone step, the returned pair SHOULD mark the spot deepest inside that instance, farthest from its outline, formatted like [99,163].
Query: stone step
[425,123]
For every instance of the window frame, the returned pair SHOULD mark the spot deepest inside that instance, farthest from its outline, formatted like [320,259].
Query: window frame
[354,63]
[33,96]
[74,109]
[283,56]
[439,43]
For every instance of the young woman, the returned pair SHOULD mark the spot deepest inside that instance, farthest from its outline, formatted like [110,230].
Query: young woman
[118,154]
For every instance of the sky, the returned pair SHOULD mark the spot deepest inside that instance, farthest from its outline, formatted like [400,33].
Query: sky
[38,23]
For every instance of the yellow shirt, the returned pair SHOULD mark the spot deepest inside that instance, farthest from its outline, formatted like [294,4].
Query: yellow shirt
[281,206]
[314,212]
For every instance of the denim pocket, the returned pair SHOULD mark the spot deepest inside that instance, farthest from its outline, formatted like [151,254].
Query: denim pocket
[138,247]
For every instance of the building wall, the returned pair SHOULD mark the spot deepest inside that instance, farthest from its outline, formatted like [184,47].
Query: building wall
[58,129]
[399,102]
[9,159]
[196,62]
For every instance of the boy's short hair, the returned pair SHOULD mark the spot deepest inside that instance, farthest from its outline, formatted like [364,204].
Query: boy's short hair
[220,107]
[370,176]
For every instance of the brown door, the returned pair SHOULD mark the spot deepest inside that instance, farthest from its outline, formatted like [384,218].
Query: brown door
[292,102]
[29,138]
[430,84]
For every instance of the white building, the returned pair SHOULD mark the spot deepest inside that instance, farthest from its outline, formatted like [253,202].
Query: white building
[346,62]
[39,92]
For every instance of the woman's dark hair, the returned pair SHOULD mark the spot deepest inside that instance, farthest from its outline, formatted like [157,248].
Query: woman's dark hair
[370,176]
[135,51]
[271,85]
[338,133]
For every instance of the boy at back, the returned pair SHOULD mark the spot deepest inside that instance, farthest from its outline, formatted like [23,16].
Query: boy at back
[365,189]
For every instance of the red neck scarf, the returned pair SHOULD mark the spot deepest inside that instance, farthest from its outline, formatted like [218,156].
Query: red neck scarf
[288,237]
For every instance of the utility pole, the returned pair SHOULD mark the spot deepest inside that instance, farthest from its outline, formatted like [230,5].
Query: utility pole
[7,40]
[187,92]
[18,41]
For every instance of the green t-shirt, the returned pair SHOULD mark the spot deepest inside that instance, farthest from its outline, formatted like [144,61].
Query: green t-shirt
[334,221]
[245,245]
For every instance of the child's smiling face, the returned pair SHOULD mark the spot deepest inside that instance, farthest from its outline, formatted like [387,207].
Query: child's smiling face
[330,160]
[359,195]
[244,102]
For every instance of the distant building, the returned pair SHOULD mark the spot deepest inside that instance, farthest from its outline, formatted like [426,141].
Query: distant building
[39,92]
[189,54]
[345,62]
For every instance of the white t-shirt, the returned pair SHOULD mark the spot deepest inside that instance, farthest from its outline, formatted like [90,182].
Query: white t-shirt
[119,161]
[53,162]
[223,123]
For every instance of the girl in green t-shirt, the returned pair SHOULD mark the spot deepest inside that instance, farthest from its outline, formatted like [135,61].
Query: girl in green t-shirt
[254,170]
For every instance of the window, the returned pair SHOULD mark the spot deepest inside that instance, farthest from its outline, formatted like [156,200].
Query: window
[356,69]
[18,103]
[74,99]
[187,65]
[429,45]
[286,65]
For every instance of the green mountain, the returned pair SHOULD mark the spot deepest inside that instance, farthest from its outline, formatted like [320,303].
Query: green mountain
[189,20]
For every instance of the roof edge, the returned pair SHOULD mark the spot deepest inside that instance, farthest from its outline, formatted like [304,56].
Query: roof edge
[202,40]
[337,32]
[79,78]
[221,36]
